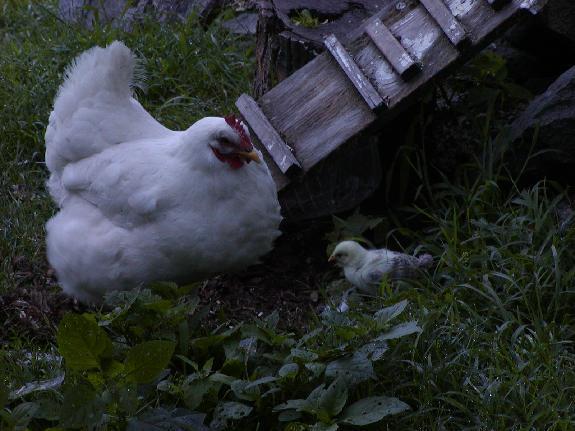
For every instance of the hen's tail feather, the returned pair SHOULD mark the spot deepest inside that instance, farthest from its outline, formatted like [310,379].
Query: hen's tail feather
[98,69]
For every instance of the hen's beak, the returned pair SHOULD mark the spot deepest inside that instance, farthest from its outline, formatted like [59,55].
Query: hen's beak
[250,155]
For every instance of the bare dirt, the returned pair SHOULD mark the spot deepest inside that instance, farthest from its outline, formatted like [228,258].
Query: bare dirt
[286,281]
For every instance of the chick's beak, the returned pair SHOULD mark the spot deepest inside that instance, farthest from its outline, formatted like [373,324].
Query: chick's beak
[331,259]
[249,155]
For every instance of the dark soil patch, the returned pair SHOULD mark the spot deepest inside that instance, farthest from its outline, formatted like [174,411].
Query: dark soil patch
[34,308]
[286,281]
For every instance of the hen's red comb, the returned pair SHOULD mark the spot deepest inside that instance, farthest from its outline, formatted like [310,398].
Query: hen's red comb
[236,124]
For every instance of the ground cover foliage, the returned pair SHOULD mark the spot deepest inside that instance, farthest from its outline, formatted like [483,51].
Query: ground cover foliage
[482,342]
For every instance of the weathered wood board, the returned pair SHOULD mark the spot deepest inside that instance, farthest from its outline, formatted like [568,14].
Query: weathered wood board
[318,108]
[391,49]
[270,139]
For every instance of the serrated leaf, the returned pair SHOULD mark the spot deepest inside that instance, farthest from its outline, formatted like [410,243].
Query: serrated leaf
[145,361]
[353,370]
[226,411]
[400,330]
[389,313]
[82,342]
[371,410]
[333,399]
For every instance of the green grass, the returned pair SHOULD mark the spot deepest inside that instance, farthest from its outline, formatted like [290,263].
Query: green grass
[497,310]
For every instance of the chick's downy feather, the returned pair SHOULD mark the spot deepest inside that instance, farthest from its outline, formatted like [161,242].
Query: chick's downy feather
[139,202]
[365,269]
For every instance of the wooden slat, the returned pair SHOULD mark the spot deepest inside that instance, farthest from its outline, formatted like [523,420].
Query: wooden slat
[390,47]
[448,23]
[498,4]
[317,108]
[423,40]
[268,136]
[353,72]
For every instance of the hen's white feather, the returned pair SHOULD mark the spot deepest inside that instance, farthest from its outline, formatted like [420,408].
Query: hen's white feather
[94,110]
[139,202]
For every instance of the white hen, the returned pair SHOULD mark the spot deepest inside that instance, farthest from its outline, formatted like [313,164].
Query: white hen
[139,202]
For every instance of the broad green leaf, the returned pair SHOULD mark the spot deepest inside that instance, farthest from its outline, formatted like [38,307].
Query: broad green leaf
[194,391]
[389,313]
[374,349]
[304,355]
[289,415]
[243,392]
[316,368]
[128,399]
[320,426]
[400,330]
[22,415]
[48,409]
[353,370]
[82,342]
[373,409]
[222,378]
[3,395]
[333,399]
[291,405]
[261,381]
[145,361]
[82,407]
[288,370]
[226,411]
[161,419]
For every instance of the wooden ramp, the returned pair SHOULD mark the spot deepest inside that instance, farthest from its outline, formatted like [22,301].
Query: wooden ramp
[363,81]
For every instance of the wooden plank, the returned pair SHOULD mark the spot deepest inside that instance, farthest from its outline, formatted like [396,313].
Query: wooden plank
[448,23]
[317,108]
[280,179]
[353,72]
[498,4]
[423,40]
[268,136]
[390,47]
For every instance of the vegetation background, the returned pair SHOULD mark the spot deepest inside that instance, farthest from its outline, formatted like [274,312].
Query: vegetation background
[484,341]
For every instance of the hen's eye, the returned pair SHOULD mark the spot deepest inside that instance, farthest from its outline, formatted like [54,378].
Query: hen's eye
[226,142]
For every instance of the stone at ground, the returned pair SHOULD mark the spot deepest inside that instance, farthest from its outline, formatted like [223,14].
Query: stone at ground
[552,115]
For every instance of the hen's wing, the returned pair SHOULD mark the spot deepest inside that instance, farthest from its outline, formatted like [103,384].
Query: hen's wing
[125,182]
[94,110]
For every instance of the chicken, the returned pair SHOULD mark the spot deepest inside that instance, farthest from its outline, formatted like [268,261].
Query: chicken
[365,269]
[139,202]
